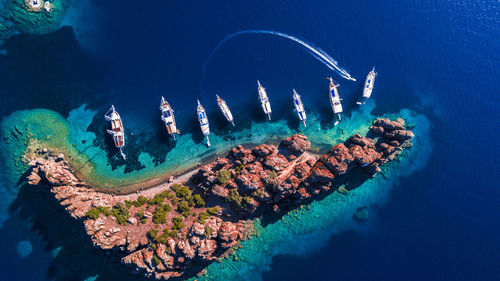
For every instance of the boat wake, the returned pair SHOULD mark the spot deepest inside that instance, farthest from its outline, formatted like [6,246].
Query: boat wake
[318,53]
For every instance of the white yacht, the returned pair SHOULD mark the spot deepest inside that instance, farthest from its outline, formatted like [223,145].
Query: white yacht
[335,100]
[116,129]
[225,109]
[299,107]
[264,100]
[368,88]
[202,118]
[167,116]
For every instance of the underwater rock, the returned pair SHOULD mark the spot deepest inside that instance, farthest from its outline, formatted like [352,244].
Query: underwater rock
[361,214]
[164,231]
[24,248]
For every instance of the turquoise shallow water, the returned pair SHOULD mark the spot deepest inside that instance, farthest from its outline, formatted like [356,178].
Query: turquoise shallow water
[306,230]
[187,153]
[300,232]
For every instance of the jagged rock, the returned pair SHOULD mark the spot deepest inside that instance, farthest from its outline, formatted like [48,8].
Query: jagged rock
[296,144]
[264,150]
[361,141]
[220,191]
[320,173]
[264,175]
[276,162]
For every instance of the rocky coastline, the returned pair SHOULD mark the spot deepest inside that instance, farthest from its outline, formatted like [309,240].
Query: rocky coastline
[191,221]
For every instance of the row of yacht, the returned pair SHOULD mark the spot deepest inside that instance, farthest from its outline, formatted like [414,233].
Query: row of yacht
[116,128]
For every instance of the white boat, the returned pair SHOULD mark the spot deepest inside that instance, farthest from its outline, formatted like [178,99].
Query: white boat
[225,109]
[299,107]
[335,100]
[167,116]
[202,118]
[368,88]
[264,100]
[117,130]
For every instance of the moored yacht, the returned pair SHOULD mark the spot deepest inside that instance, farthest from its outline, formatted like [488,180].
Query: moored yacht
[117,130]
[202,118]
[335,100]
[167,116]
[225,109]
[368,88]
[264,100]
[299,107]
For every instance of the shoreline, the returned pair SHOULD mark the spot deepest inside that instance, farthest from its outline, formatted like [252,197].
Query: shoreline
[182,173]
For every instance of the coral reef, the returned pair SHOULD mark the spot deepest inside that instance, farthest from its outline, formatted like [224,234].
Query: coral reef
[172,229]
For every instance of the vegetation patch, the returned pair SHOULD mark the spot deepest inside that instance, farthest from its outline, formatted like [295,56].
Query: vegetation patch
[223,176]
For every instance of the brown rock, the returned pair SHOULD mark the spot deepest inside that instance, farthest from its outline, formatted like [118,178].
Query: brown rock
[296,144]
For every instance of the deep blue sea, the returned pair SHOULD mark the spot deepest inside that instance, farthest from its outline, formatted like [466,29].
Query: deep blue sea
[440,58]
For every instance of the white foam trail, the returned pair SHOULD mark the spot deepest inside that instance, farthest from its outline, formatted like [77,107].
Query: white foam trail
[318,53]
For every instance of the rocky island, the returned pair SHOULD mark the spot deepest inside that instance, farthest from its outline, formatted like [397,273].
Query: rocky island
[177,228]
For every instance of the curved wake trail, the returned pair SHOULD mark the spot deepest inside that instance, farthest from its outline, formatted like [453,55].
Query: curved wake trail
[318,53]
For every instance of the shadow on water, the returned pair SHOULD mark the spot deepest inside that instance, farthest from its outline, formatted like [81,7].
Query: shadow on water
[36,69]
[351,180]
[77,258]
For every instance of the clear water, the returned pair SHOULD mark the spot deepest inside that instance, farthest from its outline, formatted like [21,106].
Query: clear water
[438,58]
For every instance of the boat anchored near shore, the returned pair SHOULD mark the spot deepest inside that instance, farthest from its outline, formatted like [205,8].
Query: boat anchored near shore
[264,100]
[299,107]
[335,100]
[368,88]
[167,116]
[117,129]
[202,118]
[225,109]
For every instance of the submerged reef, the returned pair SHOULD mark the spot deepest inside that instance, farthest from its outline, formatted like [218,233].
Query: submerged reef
[177,228]
[31,16]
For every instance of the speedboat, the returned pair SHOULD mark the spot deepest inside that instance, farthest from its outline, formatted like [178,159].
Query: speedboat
[368,88]
[264,100]
[167,116]
[299,107]
[202,118]
[335,100]
[225,109]
[117,130]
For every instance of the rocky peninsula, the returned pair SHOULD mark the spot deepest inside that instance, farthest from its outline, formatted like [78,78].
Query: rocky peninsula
[179,227]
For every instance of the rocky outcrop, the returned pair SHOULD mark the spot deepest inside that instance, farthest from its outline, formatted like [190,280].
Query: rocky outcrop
[163,240]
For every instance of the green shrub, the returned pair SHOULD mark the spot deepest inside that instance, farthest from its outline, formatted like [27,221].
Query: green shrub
[212,211]
[157,199]
[175,187]
[128,204]
[143,220]
[139,214]
[174,200]
[178,224]
[198,201]
[183,206]
[203,217]
[239,169]
[152,234]
[236,198]
[183,192]
[223,176]
[163,238]
[141,200]
[208,231]
[93,214]
[160,214]
[121,213]
[104,210]
[156,260]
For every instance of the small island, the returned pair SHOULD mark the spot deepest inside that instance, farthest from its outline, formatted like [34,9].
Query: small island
[177,228]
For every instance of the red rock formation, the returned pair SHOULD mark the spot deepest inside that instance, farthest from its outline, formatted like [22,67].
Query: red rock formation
[262,176]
